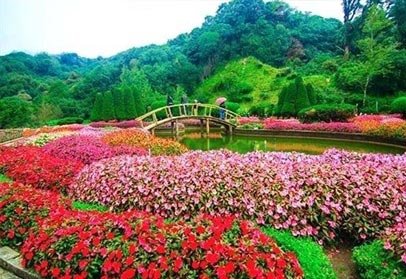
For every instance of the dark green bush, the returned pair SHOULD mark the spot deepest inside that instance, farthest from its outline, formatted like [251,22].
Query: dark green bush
[312,259]
[65,121]
[232,106]
[261,109]
[374,262]
[327,113]
[399,106]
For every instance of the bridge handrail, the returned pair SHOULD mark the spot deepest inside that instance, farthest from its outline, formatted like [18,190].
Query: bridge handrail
[193,109]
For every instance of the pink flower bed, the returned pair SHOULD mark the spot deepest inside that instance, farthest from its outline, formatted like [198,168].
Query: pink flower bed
[395,238]
[87,149]
[319,196]
[121,124]
[342,127]
[248,120]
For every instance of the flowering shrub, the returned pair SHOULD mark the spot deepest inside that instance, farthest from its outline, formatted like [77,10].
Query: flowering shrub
[390,126]
[342,127]
[141,139]
[319,196]
[87,149]
[31,165]
[121,124]
[52,129]
[21,208]
[249,120]
[107,245]
[395,238]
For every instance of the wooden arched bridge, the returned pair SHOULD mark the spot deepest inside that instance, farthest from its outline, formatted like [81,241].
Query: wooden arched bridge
[204,112]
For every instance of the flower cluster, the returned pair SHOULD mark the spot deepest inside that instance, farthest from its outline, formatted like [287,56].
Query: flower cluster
[121,124]
[395,238]
[32,166]
[52,129]
[381,125]
[108,245]
[87,149]
[21,208]
[319,196]
[141,139]
[293,124]
[249,120]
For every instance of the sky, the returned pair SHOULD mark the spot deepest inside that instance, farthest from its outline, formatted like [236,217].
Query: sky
[94,28]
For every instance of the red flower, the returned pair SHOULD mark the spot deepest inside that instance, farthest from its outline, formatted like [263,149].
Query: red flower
[55,272]
[212,258]
[177,265]
[128,274]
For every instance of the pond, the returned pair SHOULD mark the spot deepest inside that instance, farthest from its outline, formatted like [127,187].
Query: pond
[244,144]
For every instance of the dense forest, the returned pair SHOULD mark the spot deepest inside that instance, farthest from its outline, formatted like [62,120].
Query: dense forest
[251,51]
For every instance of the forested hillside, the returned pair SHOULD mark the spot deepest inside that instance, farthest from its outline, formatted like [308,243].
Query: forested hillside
[247,52]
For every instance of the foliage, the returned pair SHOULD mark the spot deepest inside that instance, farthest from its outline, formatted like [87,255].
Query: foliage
[14,112]
[32,166]
[312,259]
[108,110]
[97,108]
[83,206]
[381,125]
[4,178]
[294,97]
[327,113]
[87,149]
[374,262]
[399,106]
[65,121]
[318,196]
[121,124]
[140,139]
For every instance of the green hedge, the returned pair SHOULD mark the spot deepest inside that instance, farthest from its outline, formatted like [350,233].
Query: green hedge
[374,262]
[399,106]
[327,113]
[313,260]
[65,121]
[4,178]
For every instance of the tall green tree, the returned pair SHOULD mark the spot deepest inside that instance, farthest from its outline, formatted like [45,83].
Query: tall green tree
[350,9]
[119,105]
[129,103]
[97,110]
[108,106]
[398,12]
[376,48]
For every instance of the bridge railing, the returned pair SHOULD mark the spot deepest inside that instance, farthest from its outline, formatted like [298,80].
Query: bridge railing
[192,110]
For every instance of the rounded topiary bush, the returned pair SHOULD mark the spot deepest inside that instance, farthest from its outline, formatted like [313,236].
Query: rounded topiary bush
[327,113]
[399,106]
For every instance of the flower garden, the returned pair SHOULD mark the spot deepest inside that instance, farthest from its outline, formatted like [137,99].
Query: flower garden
[166,212]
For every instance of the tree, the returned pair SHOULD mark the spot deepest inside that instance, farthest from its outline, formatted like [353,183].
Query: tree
[48,112]
[14,112]
[288,107]
[294,98]
[398,12]
[129,103]
[376,48]
[350,9]
[311,94]
[119,104]
[108,106]
[97,110]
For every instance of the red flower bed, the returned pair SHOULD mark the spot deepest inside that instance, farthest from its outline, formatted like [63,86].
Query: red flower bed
[121,124]
[107,245]
[88,149]
[31,165]
[21,208]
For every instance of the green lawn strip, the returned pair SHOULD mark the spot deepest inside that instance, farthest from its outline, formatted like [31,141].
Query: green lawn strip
[374,262]
[83,206]
[313,260]
[4,178]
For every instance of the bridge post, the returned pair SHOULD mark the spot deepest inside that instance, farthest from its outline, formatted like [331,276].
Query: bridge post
[201,126]
[207,126]
[176,128]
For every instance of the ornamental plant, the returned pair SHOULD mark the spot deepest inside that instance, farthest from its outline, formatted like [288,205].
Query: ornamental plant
[318,196]
[395,238]
[22,208]
[87,149]
[108,245]
[292,124]
[141,139]
[32,166]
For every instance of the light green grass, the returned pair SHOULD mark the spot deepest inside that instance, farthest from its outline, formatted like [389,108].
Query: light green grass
[83,206]
[4,178]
